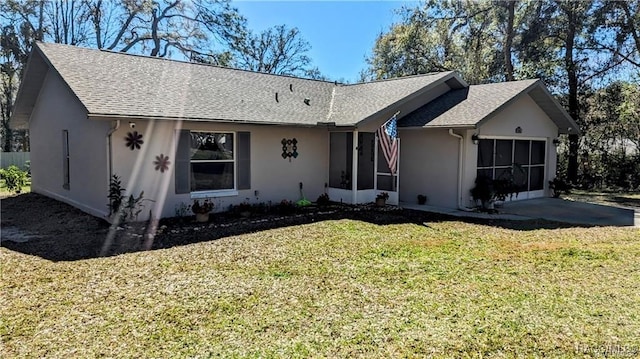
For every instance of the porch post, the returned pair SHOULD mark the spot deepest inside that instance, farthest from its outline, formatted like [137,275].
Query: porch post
[354,169]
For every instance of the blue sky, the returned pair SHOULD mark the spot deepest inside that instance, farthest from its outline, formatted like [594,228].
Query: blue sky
[341,33]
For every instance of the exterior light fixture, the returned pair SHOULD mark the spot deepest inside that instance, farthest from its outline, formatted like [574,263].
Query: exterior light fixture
[475,139]
[132,124]
[518,129]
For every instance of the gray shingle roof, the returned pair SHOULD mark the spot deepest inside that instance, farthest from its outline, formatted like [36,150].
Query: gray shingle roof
[470,106]
[116,84]
[465,107]
[357,102]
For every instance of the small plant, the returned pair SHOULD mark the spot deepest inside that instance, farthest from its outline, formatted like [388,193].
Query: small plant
[323,200]
[182,209]
[381,199]
[244,209]
[14,178]
[115,194]
[286,207]
[132,207]
[559,186]
[122,208]
[206,206]
[504,187]
[483,191]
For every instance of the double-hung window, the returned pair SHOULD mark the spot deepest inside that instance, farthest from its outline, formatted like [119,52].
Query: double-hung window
[214,162]
[212,156]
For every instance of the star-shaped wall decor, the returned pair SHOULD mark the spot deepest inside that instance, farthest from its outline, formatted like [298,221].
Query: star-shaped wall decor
[134,140]
[162,163]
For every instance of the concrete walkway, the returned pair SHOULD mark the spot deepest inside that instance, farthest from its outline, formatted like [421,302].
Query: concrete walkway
[553,209]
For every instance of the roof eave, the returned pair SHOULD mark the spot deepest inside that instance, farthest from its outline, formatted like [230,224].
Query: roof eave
[573,126]
[21,119]
[111,117]
[20,115]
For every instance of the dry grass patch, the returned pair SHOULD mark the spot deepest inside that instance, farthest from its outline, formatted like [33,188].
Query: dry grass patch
[335,289]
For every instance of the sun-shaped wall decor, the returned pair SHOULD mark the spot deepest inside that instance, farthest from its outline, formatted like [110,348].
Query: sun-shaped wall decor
[134,140]
[162,163]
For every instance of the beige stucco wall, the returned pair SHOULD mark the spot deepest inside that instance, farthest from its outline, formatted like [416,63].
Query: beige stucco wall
[429,166]
[272,176]
[535,124]
[57,109]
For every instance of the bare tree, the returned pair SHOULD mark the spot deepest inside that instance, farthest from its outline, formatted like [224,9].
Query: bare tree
[277,50]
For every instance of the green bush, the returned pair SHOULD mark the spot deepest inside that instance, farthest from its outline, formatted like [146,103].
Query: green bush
[14,178]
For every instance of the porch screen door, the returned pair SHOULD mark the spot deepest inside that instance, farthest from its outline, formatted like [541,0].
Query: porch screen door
[385,181]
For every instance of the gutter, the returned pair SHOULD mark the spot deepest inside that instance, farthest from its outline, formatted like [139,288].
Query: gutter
[460,167]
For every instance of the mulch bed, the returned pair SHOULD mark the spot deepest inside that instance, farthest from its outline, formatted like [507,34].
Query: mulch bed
[60,232]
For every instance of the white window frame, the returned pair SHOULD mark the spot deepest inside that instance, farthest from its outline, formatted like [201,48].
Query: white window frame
[218,192]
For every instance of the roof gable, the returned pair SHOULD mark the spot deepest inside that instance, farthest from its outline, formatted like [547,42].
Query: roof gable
[470,107]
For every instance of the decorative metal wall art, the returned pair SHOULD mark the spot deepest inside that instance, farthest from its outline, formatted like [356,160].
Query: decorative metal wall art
[289,148]
[162,163]
[134,140]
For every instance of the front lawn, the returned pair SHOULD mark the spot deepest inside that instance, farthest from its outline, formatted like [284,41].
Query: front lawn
[624,199]
[336,288]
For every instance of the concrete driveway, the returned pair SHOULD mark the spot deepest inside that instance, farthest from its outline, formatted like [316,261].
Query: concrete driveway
[556,209]
[552,209]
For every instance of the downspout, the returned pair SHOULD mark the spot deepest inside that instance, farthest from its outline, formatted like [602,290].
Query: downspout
[460,167]
[113,129]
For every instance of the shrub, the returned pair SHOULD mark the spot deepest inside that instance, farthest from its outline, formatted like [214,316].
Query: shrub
[323,200]
[205,207]
[14,178]
[559,186]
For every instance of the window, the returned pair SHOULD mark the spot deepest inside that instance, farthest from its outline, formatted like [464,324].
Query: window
[212,161]
[523,160]
[65,159]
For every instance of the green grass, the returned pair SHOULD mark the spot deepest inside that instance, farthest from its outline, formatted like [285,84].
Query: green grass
[335,289]
[4,192]
[626,199]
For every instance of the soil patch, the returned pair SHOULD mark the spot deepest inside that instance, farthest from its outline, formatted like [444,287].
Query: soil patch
[41,226]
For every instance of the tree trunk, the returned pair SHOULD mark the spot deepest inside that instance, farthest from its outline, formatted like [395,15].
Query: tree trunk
[508,64]
[570,65]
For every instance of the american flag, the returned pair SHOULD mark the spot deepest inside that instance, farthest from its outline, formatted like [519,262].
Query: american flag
[388,136]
